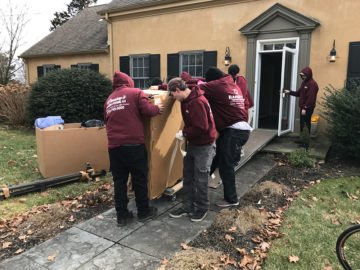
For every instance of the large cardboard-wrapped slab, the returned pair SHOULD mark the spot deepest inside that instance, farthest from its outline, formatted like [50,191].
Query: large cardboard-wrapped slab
[65,149]
[165,159]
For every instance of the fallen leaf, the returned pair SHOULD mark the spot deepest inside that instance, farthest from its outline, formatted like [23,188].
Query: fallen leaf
[233,229]
[5,235]
[11,162]
[19,251]
[327,268]
[45,194]
[289,199]
[281,163]
[34,156]
[336,222]
[293,258]
[247,259]
[97,179]
[22,200]
[336,201]
[229,237]
[314,199]
[6,244]
[242,251]
[164,261]
[185,246]
[264,246]
[71,219]
[51,257]
[30,232]
[22,237]
[100,217]
[332,211]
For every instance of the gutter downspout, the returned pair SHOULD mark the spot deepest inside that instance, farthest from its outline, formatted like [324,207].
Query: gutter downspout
[110,43]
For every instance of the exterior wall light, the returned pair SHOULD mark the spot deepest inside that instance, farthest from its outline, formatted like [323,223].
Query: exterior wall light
[227,60]
[332,56]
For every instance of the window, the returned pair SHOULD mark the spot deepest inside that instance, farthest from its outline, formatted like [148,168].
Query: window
[278,46]
[139,70]
[192,63]
[87,66]
[43,70]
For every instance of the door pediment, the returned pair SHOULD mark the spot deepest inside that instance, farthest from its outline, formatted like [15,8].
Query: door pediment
[279,18]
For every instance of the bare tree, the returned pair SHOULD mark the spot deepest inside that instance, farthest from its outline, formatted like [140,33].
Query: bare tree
[13,21]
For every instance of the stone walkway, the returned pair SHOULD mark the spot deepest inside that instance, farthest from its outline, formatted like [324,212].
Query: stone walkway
[99,244]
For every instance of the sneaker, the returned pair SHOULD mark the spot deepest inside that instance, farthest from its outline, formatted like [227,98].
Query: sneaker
[224,203]
[122,220]
[180,212]
[149,215]
[199,215]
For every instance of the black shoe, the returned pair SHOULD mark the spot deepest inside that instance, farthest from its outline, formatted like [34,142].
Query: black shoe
[199,215]
[152,212]
[122,220]
[180,212]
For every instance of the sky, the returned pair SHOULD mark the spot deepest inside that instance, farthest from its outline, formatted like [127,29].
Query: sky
[39,15]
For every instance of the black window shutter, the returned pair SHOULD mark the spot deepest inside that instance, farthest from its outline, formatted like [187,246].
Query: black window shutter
[94,67]
[210,60]
[57,67]
[40,71]
[354,60]
[154,66]
[125,64]
[172,65]
[74,66]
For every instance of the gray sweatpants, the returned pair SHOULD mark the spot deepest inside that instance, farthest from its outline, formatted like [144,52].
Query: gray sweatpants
[196,170]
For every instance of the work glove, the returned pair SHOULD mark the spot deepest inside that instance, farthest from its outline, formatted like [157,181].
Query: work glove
[180,136]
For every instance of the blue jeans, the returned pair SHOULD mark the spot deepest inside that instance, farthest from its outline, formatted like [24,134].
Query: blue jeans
[196,176]
[227,144]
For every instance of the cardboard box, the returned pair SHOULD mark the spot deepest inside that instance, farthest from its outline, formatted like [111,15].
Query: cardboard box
[165,160]
[65,151]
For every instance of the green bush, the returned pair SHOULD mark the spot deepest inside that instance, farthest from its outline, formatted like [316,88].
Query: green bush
[342,111]
[74,94]
[300,158]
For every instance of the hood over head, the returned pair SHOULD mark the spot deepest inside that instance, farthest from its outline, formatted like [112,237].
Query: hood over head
[308,72]
[122,80]
[185,76]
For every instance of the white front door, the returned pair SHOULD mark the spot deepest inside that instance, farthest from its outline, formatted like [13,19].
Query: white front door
[288,81]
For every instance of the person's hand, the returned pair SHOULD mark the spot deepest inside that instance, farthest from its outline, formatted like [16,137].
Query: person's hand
[179,135]
[154,87]
[286,91]
[161,107]
[303,112]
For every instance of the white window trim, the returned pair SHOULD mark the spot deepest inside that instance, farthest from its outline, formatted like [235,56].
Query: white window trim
[182,53]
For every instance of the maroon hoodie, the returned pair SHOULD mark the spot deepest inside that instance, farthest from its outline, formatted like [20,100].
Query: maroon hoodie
[226,101]
[190,81]
[123,111]
[199,126]
[307,91]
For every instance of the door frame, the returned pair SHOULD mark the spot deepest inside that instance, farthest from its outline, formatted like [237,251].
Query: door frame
[257,80]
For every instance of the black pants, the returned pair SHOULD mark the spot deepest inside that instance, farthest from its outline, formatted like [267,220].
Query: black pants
[124,160]
[306,119]
[228,141]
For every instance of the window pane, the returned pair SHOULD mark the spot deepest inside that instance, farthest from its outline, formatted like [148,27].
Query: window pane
[268,47]
[279,46]
[135,62]
[140,72]
[192,59]
[199,59]
[140,62]
[146,72]
[136,83]
[291,45]
[135,72]
[192,70]
[199,71]
[146,61]
[185,60]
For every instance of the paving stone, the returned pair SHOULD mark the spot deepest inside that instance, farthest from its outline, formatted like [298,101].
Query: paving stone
[162,237]
[73,248]
[107,227]
[20,262]
[120,257]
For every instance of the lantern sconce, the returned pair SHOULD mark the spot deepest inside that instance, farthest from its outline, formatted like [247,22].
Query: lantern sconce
[332,56]
[227,60]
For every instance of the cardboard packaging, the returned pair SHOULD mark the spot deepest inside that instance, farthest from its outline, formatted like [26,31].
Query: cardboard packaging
[164,157]
[65,149]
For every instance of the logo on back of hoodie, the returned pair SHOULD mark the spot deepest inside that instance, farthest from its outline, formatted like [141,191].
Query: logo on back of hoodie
[116,104]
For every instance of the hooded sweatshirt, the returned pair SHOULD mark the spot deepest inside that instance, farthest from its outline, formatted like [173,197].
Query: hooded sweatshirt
[190,81]
[123,111]
[308,91]
[199,128]
[226,101]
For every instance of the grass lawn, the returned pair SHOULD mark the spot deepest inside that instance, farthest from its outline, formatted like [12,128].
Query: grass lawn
[312,224]
[18,165]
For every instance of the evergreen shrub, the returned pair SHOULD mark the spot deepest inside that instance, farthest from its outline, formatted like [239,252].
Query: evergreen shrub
[341,108]
[74,94]
[300,158]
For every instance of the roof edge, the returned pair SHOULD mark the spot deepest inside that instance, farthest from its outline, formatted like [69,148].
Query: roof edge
[106,50]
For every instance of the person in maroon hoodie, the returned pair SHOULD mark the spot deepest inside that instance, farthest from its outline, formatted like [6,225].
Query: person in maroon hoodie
[307,98]
[123,111]
[228,106]
[200,133]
